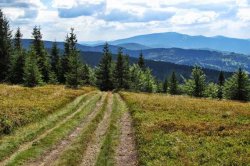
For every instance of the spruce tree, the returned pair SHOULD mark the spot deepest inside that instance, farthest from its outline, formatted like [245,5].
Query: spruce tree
[69,47]
[197,84]
[17,61]
[173,84]
[120,71]
[104,72]
[141,62]
[165,85]
[221,81]
[238,86]
[42,55]
[5,46]
[32,76]
[73,74]
[55,61]
[85,75]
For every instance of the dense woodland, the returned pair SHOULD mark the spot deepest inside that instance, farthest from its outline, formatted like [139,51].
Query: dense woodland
[36,66]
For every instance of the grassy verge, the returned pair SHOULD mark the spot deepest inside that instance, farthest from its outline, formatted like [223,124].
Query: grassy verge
[106,155]
[73,155]
[9,143]
[45,144]
[178,130]
[20,105]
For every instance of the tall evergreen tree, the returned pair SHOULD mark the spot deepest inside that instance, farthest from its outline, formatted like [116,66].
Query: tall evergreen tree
[120,72]
[165,85]
[86,75]
[5,46]
[73,74]
[17,61]
[42,55]
[141,62]
[221,81]
[197,84]
[173,84]
[55,61]
[238,86]
[104,73]
[69,47]
[32,75]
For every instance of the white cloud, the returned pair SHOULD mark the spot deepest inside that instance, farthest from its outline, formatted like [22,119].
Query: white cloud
[244,14]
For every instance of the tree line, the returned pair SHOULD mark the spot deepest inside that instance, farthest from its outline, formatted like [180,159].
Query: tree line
[36,66]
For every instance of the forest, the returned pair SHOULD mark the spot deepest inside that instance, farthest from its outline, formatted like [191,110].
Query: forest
[36,67]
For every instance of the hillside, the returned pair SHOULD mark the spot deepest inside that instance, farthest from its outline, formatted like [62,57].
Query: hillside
[180,130]
[207,59]
[90,127]
[172,39]
[159,69]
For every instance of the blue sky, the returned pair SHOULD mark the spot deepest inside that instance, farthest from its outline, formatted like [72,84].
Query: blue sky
[114,19]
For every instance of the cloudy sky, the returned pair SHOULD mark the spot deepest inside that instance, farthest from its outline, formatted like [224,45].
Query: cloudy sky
[114,19]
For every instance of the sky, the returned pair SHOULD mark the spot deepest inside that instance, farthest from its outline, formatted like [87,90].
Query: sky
[106,20]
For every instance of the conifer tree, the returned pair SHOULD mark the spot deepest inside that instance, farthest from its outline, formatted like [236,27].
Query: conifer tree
[5,46]
[221,81]
[120,72]
[17,61]
[165,85]
[42,55]
[173,85]
[69,47]
[141,62]
[238,86]
[197,84]
[104,73]
[55,61]
[73,74]
[86,75]
[32,75]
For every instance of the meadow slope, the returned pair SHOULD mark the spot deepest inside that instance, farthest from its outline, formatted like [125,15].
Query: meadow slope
[179,130]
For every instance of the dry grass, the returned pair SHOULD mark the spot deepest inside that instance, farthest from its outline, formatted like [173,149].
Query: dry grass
[21,105]
[179,130]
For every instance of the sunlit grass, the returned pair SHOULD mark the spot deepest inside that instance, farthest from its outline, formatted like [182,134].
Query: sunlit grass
[178,130]
[21,105]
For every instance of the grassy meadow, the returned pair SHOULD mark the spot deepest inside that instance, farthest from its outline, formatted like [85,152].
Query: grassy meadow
[179,130]
[21,105]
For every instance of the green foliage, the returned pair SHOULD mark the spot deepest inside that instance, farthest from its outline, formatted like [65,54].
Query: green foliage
[221,82]
[141,62]
[73,76]
[142,80]
[17,60]
[211,90]
[42,55]
[55,61]
[104,71]
[238,86]
[121,71]
[5,46]
[165,85]
[197,84]
[173,85]
[32,75]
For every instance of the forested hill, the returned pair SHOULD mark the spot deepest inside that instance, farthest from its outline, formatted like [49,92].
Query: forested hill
[205,58]
[160,69]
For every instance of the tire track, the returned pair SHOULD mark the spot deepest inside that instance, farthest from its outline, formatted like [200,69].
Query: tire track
[51,156]
[25,146]
[92,151]
[126,154]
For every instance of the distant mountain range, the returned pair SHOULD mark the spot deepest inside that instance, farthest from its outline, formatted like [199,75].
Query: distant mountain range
[216,60]
[177,40]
